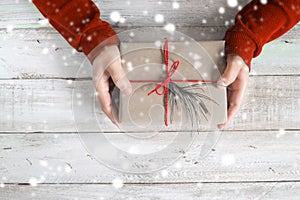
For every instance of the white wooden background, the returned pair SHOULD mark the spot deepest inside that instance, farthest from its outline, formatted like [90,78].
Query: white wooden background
[36,123]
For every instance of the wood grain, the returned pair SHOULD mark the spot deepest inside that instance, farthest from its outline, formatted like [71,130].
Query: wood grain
[43,53]
[272,102]
[239,191]
[237,157]
[257,157]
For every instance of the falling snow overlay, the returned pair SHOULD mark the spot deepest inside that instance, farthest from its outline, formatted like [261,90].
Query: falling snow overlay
[48,96]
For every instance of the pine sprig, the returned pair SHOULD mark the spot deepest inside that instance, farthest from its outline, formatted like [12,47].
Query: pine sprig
[192,100]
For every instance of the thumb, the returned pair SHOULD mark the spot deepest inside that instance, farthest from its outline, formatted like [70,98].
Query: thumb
[118,76]
[234,65]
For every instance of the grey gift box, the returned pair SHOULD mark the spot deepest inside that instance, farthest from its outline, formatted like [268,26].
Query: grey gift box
[144,64]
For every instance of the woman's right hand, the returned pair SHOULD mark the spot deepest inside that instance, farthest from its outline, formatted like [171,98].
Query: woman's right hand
[236,77]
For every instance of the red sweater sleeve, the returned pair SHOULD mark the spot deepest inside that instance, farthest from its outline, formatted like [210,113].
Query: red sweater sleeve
[257,24]
[78,21]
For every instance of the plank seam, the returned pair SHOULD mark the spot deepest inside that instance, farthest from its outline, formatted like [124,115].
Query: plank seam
[161,183]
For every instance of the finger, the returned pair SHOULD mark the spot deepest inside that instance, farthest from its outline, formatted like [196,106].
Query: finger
[104,97]
[236,96]
[231,112]
[119,77]
[234,65]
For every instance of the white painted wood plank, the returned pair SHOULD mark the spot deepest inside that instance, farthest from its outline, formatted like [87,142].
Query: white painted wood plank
[237,156]
[39,53]
[22,13]
[209,191]
[43,53]
[46,105]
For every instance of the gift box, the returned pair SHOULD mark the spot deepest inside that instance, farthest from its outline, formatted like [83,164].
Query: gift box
[174,86]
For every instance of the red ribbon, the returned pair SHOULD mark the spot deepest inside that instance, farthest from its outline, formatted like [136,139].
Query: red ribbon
[165,83]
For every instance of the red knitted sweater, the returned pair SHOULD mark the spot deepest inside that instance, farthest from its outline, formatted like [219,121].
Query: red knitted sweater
[257,24]
[78,21]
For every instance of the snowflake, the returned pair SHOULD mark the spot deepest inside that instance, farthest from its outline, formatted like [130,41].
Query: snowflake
[197,64]
[280,133]
[43,22]
[158,43]
[145,12]
[43,163]
[170,27]
[196,57]
[2,185]
[122,20]
[129,66]
[159,18]
[89,38]
[175,5]
[78,95]
[178,164]
[9,28]
[199,184]
[58,168]
[232,3]
[141,114]
[264,1]
[42,179]
[115,16]
[33,182]
[79,103]
[221,10]
[244,116]
[164,173]
[134,150]
[117,183]
[131,34]
[68,168]
[228,159]
[45,51]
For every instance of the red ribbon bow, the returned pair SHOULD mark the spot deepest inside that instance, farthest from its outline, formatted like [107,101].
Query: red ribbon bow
[165,83]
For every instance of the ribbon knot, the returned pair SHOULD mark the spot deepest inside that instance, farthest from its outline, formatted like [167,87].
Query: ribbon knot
[165,84]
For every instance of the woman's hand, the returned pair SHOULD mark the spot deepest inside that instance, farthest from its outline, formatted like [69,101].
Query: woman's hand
[108,64]
[236,76]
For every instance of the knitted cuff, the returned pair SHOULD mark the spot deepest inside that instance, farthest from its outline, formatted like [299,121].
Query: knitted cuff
[238,43]
[93,42]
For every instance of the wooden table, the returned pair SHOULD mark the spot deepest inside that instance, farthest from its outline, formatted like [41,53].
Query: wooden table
[39,142]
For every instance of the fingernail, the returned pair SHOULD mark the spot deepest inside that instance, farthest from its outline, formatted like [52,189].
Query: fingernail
[125,86]
[220,126]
